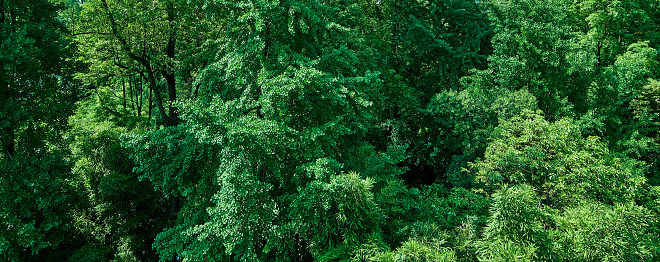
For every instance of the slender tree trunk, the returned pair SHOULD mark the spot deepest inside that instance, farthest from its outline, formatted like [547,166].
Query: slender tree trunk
[133,87]
[10,143]
[138,94]
[8,134]
[267,40]
[599,46]
[174,207]
[171,96]
[151,99]
[157,98]
[134,98]
[395,29]
[123,91]
[168,73]
[153,87]
[189,84]
[12,17]
[196,91]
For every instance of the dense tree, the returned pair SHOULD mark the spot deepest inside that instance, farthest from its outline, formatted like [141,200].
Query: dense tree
[36,79]
[546,177]
[515,227]
[36,97]
[283,117]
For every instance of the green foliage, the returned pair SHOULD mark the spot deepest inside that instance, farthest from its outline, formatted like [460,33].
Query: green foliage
[645,109]
[415,251]
[559,195]
[35,204]
[611,26]
[515,226]
[257,190]
[464,239]
[438,40]
[92,253]
[36,87]
[171,159]
[36,96]
[420,48]
[624,82]
[596,232]
[431,215]
[118,215]
[554,158]
[283,115]
[530,43]
[647,101]
[466,120]
[341,212]
[501,250]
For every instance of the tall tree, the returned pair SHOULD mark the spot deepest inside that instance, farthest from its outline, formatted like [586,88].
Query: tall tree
[265,159]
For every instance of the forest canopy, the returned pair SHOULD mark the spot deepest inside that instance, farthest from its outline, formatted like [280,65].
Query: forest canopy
[329,130]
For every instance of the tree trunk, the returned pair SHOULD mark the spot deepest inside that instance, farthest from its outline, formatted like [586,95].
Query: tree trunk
[138,94]
[196,91]
[599,46]
[395,28]
[267,41]
[10,143]
[174,207]
[171,95]
[9,136]
[151,100]
[157,98]
[143,61]
[12,17]
[168,72]
[123,92]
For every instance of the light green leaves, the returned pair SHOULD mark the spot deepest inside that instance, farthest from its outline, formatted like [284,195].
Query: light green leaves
[593,231]
[545,178]
[556,160]
[340,212]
